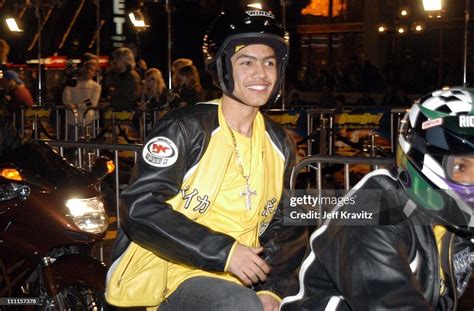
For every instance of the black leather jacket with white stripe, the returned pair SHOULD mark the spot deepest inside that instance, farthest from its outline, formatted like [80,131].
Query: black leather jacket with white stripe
[389,262]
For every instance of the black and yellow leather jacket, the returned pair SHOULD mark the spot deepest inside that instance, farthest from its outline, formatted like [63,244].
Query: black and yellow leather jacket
[173,185]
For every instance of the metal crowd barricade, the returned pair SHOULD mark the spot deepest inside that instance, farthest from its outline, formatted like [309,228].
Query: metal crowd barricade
[374,162]
[395,118]
[81,129]
[322,124]
[31,117]
[319,160]
[320,127]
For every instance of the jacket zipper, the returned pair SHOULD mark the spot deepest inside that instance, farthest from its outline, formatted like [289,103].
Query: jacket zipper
[119,282]
[165,281]
[437,286]
[451,271]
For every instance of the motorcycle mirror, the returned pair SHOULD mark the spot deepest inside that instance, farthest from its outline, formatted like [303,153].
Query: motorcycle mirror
[102,167]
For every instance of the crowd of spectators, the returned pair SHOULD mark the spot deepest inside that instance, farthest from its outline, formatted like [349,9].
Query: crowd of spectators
[353,75]
[129,85]
[386,86]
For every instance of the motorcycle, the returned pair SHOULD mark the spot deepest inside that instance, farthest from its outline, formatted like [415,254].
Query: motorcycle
[51,215]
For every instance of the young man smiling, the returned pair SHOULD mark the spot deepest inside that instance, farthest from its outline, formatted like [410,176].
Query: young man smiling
[205,193]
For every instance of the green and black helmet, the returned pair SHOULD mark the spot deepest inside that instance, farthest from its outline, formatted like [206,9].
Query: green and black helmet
[435,155]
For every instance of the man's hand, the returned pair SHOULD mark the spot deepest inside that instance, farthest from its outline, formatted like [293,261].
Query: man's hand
[269,302]
[247,265]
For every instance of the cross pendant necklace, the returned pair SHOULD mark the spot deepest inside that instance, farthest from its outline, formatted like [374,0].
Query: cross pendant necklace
[248,192]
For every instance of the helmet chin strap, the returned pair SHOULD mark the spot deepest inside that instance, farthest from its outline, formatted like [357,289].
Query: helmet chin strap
[222,84]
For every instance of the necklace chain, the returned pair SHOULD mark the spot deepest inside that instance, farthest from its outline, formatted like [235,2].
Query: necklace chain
[238,158]
[248,192]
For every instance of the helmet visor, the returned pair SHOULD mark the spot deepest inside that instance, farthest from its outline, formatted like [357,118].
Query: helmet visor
[451,137]
[460,168]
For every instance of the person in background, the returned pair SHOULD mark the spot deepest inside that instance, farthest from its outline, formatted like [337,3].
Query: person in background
[205,193]
[406,244]
[154,97]
[175,67]
[327,99]
[9,137]
[190,90]
[173,93]
[89,57]
[141,67]
[81,99]
[340,100]
[365,100]
[124,84]
[17,94]
[153,91]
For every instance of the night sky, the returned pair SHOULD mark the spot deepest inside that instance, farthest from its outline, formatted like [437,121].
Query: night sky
[190,19]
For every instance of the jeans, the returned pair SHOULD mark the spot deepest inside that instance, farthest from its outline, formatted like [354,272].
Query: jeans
[211,294]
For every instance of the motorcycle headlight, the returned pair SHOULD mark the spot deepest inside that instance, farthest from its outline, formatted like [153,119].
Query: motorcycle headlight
[88,214]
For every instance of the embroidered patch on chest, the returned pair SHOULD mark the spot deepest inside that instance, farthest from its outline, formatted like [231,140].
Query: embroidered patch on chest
[160,152]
